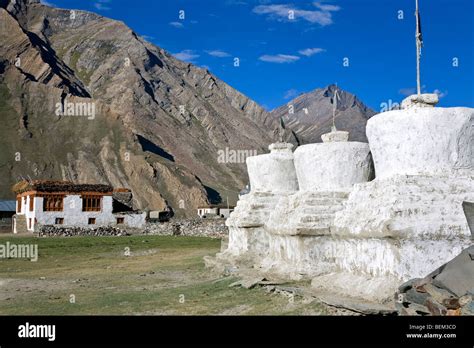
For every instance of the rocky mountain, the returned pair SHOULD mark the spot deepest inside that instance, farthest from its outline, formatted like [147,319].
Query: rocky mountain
[310,115]
[84,98]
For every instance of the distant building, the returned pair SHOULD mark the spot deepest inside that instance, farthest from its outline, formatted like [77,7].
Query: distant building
[214,211]
[225,212]
[7,209]
[63,203]
[160,216]
[208,211]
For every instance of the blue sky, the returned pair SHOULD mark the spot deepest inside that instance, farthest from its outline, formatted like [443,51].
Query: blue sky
[281,57]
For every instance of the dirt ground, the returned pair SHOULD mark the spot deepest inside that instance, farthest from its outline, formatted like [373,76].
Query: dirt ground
[138,275]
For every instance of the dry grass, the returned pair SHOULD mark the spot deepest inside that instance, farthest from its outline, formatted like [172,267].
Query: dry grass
[162,275]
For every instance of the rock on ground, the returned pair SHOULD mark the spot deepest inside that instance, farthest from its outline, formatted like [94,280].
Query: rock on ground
[449,290]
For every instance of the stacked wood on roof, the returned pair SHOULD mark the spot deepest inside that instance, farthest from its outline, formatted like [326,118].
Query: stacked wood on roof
[50,186]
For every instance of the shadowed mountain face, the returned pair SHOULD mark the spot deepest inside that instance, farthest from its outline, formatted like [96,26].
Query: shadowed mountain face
[83,98]
[310,115]
[130,114]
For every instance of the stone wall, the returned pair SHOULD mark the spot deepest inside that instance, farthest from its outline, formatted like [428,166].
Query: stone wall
[56,231]
[213,228]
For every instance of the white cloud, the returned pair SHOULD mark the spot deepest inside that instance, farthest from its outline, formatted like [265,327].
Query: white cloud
[291,93]
[186,55]
[148,37]
[327,7]
[440,94]
[218,53]
[279,58]
[281,12]
[177,24]
[308,52]
[102,5]
[47,3]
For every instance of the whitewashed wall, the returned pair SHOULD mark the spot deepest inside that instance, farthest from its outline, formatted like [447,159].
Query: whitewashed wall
[332,166]
[422,141]
[273,172]
[136,220]
[74,216]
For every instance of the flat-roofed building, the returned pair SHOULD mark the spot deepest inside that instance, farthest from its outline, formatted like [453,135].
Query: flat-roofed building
[46,202]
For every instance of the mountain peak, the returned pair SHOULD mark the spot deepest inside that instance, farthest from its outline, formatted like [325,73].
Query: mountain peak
[310,114]
[192,126]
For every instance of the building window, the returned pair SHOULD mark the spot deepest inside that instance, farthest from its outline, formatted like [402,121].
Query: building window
[32,201]
[91,203]
[53,203]
[120,220]
[91,221]
[59,221]
[18,203]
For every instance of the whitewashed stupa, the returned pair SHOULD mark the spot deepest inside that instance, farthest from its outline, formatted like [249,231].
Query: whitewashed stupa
[271,176]
[318,214]
[301,223]
[409,220]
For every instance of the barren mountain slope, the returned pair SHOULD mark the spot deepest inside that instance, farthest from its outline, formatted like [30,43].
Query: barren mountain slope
[158,125]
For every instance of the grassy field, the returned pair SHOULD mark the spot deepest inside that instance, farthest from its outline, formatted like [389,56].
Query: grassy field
[162,275]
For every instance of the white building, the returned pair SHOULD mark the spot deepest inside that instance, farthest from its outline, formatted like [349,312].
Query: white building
[66,204]
[209,211]
[225,212]
[212,211]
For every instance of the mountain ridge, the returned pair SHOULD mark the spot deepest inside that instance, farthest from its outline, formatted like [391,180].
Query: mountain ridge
[309,115]
[160,122]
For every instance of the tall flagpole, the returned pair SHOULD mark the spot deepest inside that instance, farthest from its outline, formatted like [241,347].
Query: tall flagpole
[418,49]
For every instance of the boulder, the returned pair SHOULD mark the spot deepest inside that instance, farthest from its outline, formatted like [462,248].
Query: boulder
[458,275]
[468,208]
[446,291]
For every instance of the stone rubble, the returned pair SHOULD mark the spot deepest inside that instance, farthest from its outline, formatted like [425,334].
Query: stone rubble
[447,291]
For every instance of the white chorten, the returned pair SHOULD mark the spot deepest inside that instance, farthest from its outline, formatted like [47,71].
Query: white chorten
[271,176]
[409,220]
[316,215]
[301,221]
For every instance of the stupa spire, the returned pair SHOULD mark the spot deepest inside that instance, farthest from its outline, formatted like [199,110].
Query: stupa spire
[335,135]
